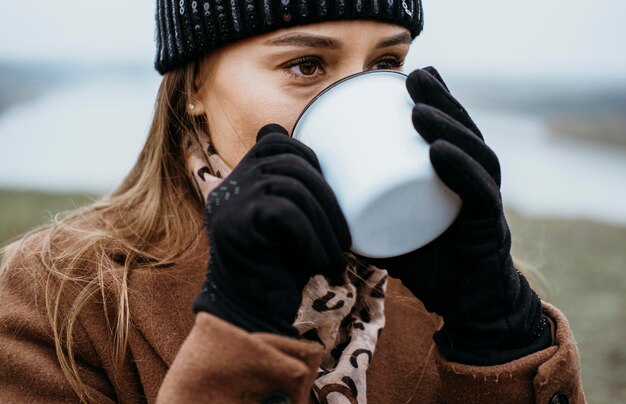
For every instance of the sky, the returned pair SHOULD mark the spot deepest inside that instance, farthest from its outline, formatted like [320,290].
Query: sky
[488,37]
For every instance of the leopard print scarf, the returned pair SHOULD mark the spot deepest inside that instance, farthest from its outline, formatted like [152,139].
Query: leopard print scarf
[347,320]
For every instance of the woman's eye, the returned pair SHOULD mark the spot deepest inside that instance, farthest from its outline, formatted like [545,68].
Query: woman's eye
[388,63]
[305,67]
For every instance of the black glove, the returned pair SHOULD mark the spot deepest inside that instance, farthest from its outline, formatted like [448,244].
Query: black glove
[272,223]
[491,314]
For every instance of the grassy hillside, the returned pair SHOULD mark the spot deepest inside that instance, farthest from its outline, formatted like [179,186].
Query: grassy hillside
[21,211]
[584,265]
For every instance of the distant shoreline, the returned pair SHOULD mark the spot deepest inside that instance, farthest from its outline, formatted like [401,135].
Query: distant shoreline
[595,114]
[24,82]
[609,130]
[21,83]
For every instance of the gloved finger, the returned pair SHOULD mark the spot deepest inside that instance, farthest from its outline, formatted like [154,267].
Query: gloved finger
[433,72]
[432,124]
[418,271]
[270,231]
[271,128]
[295,167]
[276,143]
[463,175]
[297,221]
[426,89]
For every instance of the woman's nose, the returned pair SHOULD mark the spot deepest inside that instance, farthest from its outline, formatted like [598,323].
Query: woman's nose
[352,68]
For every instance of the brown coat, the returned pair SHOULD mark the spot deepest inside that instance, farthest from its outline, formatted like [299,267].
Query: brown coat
[175,356]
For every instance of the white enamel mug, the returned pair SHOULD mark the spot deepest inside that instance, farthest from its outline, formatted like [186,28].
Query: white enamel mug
[377,164]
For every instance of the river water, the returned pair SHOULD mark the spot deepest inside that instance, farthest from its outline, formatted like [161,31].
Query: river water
[86,136]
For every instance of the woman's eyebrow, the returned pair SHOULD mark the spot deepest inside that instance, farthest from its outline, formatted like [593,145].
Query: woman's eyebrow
[403,38]
[305,41]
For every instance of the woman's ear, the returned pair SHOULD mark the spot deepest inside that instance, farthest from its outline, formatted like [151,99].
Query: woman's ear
[201,74]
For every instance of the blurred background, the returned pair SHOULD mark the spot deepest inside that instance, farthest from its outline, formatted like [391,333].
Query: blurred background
[544,80]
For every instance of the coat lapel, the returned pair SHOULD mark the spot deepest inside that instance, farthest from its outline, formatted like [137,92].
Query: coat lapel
[161,300]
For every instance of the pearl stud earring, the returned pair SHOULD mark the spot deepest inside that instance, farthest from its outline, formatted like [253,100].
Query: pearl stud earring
[192,107]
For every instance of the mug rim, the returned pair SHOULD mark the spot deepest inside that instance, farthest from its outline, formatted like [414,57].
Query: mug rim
[336,84]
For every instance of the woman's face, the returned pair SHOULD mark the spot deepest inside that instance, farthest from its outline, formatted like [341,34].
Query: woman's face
[272,77]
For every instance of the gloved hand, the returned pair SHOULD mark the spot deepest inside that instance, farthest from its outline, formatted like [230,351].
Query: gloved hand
[491,314]
[272,224]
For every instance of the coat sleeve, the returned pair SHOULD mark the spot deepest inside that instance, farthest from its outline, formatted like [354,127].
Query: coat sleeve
[29,369]
[221,363]
[548,376]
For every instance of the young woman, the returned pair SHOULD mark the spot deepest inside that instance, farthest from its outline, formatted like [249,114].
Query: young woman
[98,307]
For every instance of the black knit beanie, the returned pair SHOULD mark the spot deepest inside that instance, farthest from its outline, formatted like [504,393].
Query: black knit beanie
[188,29]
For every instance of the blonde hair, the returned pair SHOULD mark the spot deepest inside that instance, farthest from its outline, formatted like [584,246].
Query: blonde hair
[145,209]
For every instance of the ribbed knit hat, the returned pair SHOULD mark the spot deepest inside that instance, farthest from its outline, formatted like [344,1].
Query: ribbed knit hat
[188,29]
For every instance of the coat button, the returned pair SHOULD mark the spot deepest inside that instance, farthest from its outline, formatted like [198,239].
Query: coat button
[559,398]
[276,398]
